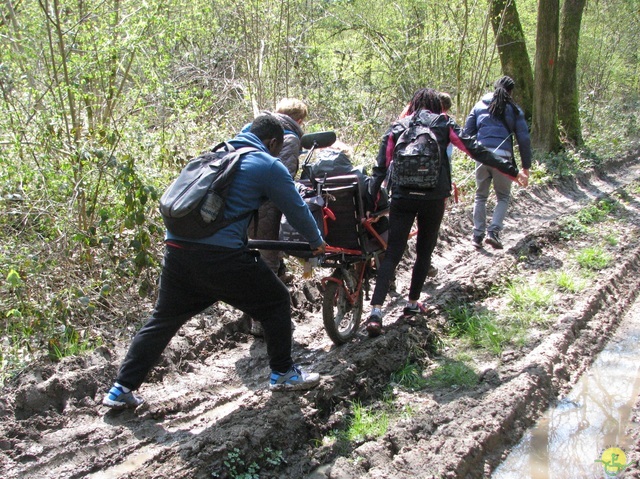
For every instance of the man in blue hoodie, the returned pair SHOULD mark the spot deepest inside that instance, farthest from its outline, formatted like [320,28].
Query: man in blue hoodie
[198,273]
[494,121]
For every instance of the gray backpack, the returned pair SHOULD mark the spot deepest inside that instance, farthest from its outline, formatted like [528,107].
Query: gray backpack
[416,156]
[193,205]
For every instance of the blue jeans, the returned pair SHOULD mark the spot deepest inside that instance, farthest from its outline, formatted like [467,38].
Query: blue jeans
[402,214]
[193,278]
[485,175]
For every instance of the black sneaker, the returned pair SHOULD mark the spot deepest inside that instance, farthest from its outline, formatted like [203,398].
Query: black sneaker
[477,241]
[493,239]
[374,325]
[419,308]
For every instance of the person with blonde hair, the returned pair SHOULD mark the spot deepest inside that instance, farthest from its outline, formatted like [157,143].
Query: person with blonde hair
[291,112]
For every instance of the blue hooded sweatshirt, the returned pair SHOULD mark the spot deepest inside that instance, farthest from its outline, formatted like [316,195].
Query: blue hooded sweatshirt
[492,133]
[260,177]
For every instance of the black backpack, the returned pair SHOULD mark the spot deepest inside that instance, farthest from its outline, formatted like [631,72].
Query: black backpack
[193,205]
[416,156]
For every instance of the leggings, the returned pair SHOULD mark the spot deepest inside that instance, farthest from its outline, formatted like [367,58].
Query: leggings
[402,214]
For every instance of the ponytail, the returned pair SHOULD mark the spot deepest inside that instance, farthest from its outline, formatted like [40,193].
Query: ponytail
[502,97]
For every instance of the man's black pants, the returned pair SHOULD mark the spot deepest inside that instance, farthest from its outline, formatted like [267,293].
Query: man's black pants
[195,276]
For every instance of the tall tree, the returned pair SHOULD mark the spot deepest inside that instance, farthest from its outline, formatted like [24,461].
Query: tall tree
[544,128]
[568,95]
[513,50]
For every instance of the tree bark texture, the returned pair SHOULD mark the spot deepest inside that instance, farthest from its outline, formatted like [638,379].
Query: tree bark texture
[568,94]
[513,51]
[544,127]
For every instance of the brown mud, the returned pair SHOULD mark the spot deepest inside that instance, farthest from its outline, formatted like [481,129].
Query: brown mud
[209,413]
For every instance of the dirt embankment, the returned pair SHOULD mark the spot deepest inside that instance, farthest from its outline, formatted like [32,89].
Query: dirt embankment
[208,413]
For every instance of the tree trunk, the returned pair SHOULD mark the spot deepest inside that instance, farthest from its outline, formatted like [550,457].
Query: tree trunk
[513,51]
[568,95]
[544,127]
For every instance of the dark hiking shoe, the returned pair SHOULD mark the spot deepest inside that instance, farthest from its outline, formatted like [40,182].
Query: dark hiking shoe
[493,239]
[116,398]
[477,241]
[374,325]
[295,379]
[419,308]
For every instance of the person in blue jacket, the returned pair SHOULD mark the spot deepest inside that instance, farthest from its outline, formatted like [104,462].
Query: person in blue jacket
[494,121]
[198,273]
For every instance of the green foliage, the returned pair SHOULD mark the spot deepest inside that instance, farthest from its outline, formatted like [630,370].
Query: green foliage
[566,163]
[366,423]
[480,328]
[236,467]
[593,258]
[569,281]
[70,342]
[409,377]
[523,296]
[452,374]
[102,102]
[572,228]
[597,212]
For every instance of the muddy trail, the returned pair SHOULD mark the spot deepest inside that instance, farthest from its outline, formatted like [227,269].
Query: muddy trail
[209,413]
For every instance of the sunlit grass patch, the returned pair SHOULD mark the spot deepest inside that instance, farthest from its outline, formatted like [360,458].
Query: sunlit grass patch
[611,239]
[593,258]
[597,212]
[452,373]
[580,224]
[572,228]
[568,281]
[523,296]
[366,423]
[481,328]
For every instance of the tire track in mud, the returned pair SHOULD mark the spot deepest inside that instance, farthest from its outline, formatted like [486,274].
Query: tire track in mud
[214,400]
[467,437]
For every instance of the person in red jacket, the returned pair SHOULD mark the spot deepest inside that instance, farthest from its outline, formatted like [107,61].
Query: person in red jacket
[426,205]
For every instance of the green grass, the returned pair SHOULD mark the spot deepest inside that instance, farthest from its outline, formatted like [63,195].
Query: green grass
[569,281]
[579,224]
[409,377]
[593,258]
[452,373]
[572,228]
[366,423]
[481,328]
[71,342]
[597,212]
[522,296]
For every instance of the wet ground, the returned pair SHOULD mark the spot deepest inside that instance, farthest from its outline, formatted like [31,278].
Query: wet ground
[209,414]
[572,437]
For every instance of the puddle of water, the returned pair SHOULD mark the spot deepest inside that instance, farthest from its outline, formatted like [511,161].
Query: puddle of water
[570,437]
[132,463]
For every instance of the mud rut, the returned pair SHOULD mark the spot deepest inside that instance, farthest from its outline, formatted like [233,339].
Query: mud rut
[207,398]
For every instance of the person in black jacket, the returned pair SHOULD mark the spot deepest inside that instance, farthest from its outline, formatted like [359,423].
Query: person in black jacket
[426,205]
